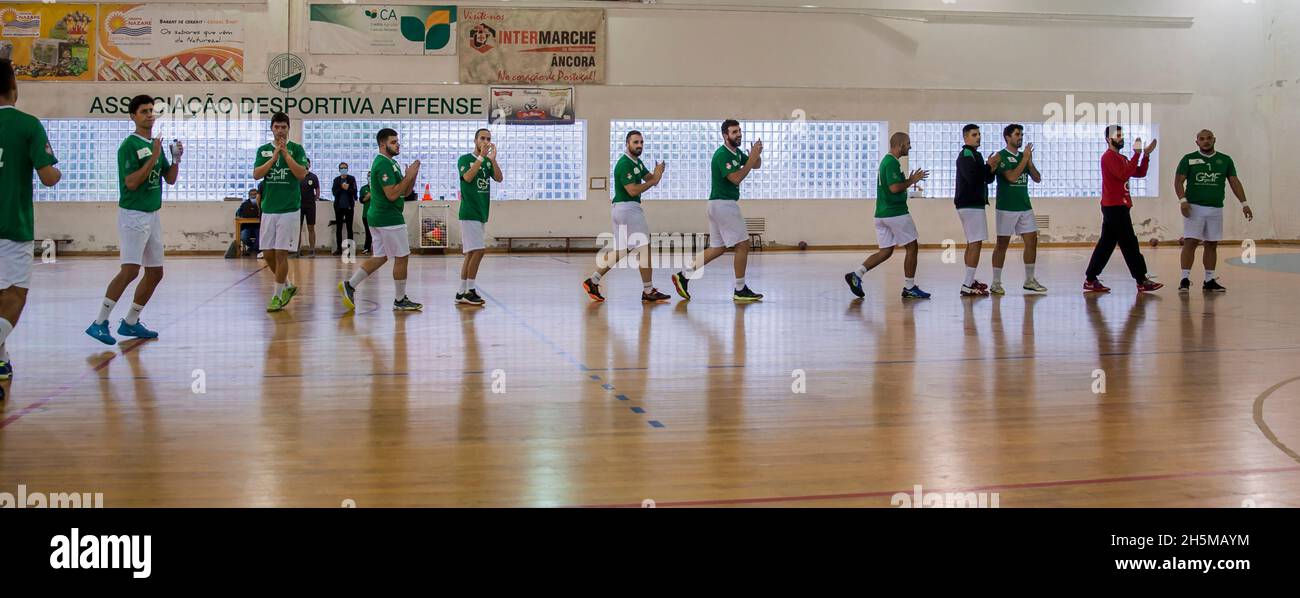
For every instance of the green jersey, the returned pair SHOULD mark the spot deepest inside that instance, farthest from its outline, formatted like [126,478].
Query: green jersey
[24,149]
[132,155]
[726,162]
[475,195]
[1206,177]
[888,203]
[628,171]
[381,211]
[1013,196]
[282,193]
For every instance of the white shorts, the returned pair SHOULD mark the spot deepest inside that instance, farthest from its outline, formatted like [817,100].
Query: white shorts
[895,231]
[140,236]
[1015,223]
[630,227]
[16,258]
[279,231]
[726,225]
[390,241]
[975,223]
[472,234]
[1205,223]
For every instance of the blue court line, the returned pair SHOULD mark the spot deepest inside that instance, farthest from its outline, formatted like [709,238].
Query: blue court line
[638,410]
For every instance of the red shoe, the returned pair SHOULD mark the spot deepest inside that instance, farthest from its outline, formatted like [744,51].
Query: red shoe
[979,285]
[1094,286]
[1149,285]
[973,291]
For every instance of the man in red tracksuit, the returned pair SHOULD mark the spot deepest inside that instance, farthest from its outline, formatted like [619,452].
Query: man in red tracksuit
[1116,223]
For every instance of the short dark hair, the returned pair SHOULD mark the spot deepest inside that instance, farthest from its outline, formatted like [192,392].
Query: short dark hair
[968,128]
[384,134]
[630,134]
[727,124]
[7,80]
[279,117]
[139,101]
[480,131]
[1011,128]
[1111,129]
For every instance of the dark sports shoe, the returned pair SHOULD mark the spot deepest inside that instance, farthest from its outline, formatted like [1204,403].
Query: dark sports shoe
[679,283]
[1184,286]
[1095,286]
[346,293]
[1149,285]
[746,296]
[654,296]
[593,290]
[855,284]
[915,293]
[1213,286]
[405,304]
[979,285]
[470,298]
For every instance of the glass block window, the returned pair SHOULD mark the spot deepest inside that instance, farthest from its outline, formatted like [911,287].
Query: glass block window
[801,159]
[218,157]
[539,162]
[1070,161]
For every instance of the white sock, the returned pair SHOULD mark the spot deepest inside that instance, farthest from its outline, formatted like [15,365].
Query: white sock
[1029,271]
[470,282]
[279,288]
[861,271]
[909,283]
[400,288]
[646,286]
[970,276]
[1209,275]
[4,352]
[740,283]
[5,328]
[1187,273]
[689,270]
[105,309]
[464,286]
[595,277]
[133,316]
[358,277]
[997,276]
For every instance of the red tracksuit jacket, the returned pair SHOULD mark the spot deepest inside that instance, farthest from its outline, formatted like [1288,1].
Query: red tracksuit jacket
[1115,173]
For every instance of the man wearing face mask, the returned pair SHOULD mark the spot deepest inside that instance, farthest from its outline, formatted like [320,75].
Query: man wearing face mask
[345,197]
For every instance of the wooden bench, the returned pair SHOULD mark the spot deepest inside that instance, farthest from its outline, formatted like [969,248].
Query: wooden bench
[568,240]
[239,247]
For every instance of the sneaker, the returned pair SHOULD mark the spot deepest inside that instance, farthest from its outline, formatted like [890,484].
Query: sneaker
[6,370]
[136,330]
[289,292]
[979,285]
[654,296]
[1184,286]
[973,291]
[259,255]
[99,332]
[680,282]
[347,292]
[276,304]
[855,284]
[746,296]
[997,289]
[1149,285]
[593,290]
[405,304]
[469,298]
[1095,286]
[1213,286]
[915,293]
[1033,285]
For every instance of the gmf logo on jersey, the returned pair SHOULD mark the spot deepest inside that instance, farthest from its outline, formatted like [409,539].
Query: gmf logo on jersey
[1208,177]
[286,72]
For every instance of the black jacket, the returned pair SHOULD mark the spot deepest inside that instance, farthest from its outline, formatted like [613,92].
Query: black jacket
[973,178]
[344,198]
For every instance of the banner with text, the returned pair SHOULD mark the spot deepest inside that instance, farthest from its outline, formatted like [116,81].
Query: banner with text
[382,29]
[49,42]
[532,46]
[531,106]
[152,42]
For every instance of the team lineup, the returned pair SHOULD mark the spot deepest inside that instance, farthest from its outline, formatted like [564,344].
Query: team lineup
[143,166]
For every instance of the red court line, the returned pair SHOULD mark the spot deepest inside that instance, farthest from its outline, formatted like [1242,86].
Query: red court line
[62,389]
[992,487]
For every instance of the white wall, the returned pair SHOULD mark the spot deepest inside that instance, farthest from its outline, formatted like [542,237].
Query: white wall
[1221,73]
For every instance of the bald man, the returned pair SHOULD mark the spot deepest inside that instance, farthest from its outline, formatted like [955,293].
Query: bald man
[1199,183]
[894,225]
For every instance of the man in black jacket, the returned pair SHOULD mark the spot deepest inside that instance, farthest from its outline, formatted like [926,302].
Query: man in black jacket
[345,197]
[974,175]
[310,188]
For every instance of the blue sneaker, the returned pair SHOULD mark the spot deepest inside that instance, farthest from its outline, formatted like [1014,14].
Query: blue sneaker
[99,332]
[915,293]
[137,330]
[6,370]
[855,284]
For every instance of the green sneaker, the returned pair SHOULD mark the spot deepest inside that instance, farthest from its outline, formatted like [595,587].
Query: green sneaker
[277,303]
[288,293]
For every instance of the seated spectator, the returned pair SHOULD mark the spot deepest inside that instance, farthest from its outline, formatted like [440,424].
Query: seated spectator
[250,208]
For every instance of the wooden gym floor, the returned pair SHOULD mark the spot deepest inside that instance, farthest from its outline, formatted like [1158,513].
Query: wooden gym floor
[682,403]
